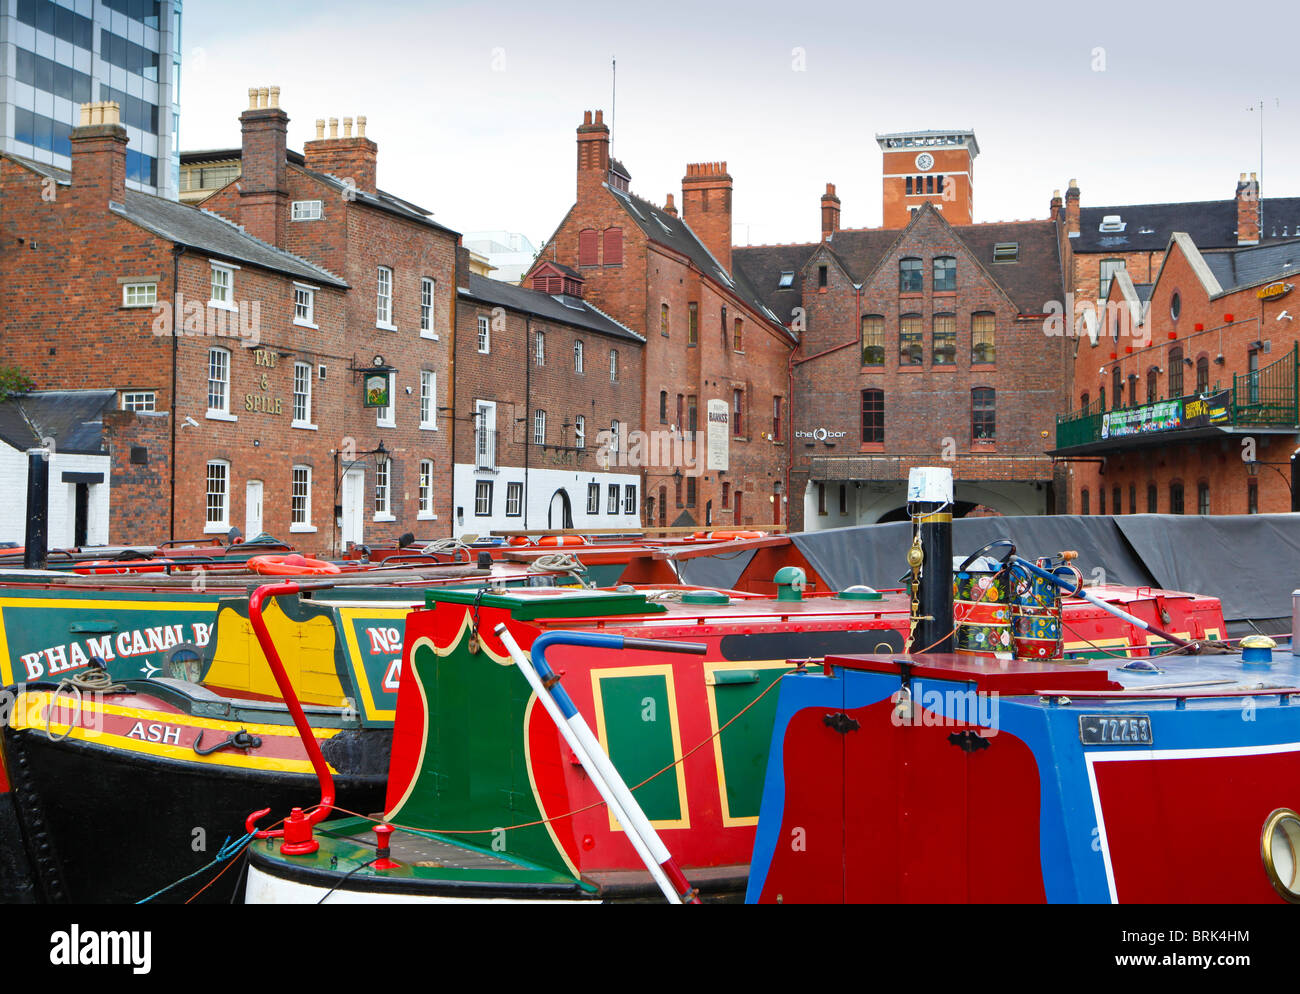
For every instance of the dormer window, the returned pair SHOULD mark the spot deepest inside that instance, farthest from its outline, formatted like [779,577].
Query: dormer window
[786,281]
[1111,223]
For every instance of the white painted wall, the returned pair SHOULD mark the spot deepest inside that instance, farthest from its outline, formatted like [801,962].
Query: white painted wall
[866,504]
[63,497]
[542,484]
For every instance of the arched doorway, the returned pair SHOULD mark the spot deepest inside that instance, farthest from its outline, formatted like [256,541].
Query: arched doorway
[560,513]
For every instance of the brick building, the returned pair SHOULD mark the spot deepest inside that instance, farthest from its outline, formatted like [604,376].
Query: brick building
[398,315]
[934,166]
[240,338]
[1185,401]
[193,323]
[917,345]
[540,403]
[714,386]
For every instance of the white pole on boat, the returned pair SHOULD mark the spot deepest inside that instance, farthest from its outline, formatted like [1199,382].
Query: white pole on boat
[573,727]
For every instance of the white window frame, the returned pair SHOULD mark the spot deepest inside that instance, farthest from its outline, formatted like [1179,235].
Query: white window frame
[305,525]
[428,316]
[580,432]
[386,417]
[221,525]
[428,400]
[577,356]
[613,365]
[307,210]
[539,347]
[304,292]
[141,404]
[134,294]
[384,490]
[515,499]
[482,489]
[484,334]
[221,413]
[425,511]
[613,441]
[384,299]
[228,288]
[629,498]
[307,373]
[613,495]
[539,427]
[593,498]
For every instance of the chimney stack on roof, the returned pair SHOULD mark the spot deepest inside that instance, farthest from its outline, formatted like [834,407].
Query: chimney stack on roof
[99,154]
[352,158]
[1056,206]
[1248,209]
[670,207]
[706,207]
[593,155]
[830,212]
[1072,209]
[263,181]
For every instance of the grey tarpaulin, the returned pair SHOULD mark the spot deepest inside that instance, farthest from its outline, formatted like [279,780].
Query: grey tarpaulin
[877,554]
[1251,562]
[714,571]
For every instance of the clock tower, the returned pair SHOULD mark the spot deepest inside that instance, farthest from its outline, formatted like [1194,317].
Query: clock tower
[928,165]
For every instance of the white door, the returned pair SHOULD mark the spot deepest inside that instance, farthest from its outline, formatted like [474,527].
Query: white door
[354,505]
[253,509]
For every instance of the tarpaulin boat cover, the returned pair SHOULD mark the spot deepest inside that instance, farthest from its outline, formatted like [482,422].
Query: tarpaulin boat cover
[1250,562]
[715,571]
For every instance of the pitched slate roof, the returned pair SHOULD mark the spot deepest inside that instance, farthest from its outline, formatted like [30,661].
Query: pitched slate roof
[1030,282]
[1211,223]
[381,199]
[73,418]
[1242,267]
[199,229]
[674,233]
[558,308]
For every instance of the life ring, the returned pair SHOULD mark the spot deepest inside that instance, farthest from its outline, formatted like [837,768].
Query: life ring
[112,566]
[290,565]
[519,540]
[550,541]
[728,536]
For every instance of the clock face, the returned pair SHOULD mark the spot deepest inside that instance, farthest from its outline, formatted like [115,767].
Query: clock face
[924,161]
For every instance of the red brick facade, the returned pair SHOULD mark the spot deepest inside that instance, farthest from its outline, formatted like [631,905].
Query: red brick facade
[704,338]
[1207,347]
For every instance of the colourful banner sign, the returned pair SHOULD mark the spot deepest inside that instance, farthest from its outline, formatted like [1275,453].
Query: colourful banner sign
[1167,415]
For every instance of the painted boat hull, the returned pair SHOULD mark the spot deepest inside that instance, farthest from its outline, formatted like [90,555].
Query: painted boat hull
[996,785]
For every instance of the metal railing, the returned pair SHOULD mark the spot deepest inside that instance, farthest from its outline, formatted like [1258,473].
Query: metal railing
[1265,397]
[485,449]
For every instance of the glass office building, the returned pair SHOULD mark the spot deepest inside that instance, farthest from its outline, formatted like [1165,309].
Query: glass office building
[56,56]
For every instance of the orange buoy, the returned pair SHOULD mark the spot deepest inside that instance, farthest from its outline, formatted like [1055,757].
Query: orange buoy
[519,540]
[290,565]
[551,541]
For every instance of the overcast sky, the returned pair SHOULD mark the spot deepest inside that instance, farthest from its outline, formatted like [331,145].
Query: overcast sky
[474,105]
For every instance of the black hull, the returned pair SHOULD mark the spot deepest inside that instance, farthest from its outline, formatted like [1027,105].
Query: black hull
[103,826]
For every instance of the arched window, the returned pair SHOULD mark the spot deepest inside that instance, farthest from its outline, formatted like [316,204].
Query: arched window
[910,350]
[613,247]
[982,337]
[1117,502]
[1153,386]
[909,276]
[873,416]
[873,340]
[983,414]
[1175,373]
[1117,386]
[663,407]
[1203,498]
[1153,499]
[588,247]
[945,274]
[944,341]
[1083,403]
[1176,497]
[1203,375]
[1084,507]
[663,320]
